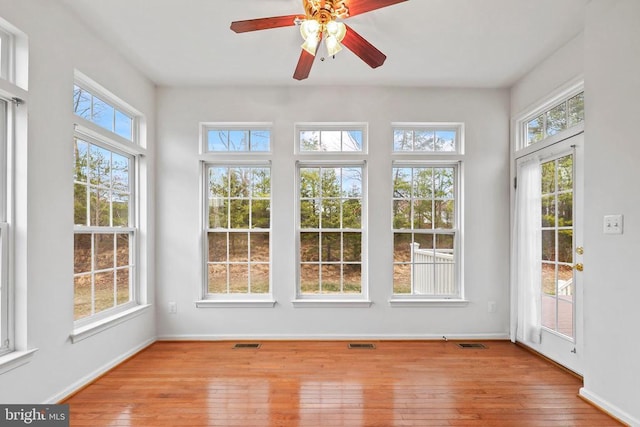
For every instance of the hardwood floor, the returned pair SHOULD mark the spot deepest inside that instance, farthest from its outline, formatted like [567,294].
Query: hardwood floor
[309,383]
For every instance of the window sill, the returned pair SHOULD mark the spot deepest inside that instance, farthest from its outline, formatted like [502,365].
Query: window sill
[229,303]
[15,359]
[422,302]
[324,303]
[91,329]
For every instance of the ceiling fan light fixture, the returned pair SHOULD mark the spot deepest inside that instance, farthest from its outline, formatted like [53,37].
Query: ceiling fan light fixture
[333,45]
[337,30]
[311,43]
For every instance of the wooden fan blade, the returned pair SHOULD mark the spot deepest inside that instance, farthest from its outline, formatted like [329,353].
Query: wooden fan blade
[365,50]
[304,65]
[264,23]
[357,7]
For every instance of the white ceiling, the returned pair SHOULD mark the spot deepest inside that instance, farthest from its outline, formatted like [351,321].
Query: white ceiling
[455,43]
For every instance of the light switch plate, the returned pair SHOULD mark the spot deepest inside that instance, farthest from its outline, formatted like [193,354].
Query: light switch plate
[613,224]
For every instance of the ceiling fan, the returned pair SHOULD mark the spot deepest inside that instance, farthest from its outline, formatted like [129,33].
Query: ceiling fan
[323,20]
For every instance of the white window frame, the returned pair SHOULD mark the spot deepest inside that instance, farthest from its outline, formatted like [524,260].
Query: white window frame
[94,134]
[232,159]
[325,126]
[521,121]
[456,127]
[14,350]
[205,127]
[426,159]
[328,159]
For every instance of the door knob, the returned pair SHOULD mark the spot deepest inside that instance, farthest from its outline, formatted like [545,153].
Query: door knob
[579,266]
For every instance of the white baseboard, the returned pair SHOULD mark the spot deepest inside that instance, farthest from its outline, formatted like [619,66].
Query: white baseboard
[97,373]
[336,337]
[609,408]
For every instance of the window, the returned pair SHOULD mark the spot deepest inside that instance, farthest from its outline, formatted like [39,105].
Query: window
[5,319]
[238,230]
[347,138]
[96,110]
[237,138]
[426,210]
[237,214]
[427,138]
[331,229]
[106,206]
[564,115]
[425,230]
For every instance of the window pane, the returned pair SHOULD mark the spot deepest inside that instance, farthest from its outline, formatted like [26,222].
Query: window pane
[331,279]
[330,140]
[444,183]
[424,241]
[576,109]
[351,182]
[535,130]
[217,274]
[120,172]
[565,246]
[309,213]
[424,140]
[548,178]
[122,250]
[556,119]
[218,213]
[444,243]
[443,213]
[309,247]
[352,278]
[99,208]
[80,171]
[260,278]
[423,182]
[238,247]
[402,183]
[402,247]
[238,140]
[99,166]
[309,278]
[104,250]
[331,247]
[309,182]
[445,141]
[549,245]
[82,253]
[238,278]
[423,214]
[103,114]
[259,247]
[217,247]
[402,279]
[260,182]
[80,204]
[548,214]
[124,125]
[351,213]
[123,286]
[239,182]
[565,173]
[81,102]
[218,140]
[120,209]
[565,210]
[260,213]
[352,247]
[239,214]
[218,182]
[104,287]
[352,140]
[260,140]
[82,296]
[401,214]
[310,140]
[402,140]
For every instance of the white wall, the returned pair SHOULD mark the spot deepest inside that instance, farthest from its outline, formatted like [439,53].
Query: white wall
[612,90]
[44,277]
[485,114]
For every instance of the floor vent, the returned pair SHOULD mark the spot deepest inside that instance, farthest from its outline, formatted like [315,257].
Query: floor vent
[471,345]
[362,346]
[246,345]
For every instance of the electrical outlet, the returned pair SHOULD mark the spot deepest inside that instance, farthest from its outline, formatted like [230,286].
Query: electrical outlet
[173,308]
[613,224]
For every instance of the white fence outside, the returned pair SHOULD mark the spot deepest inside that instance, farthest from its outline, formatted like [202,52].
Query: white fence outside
[433,272]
